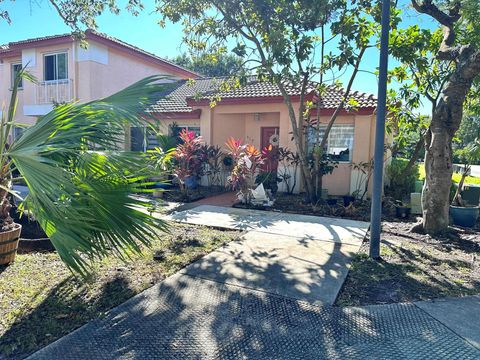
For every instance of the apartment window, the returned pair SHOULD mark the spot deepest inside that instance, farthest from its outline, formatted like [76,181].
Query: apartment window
[339,144]
[15,70]
[195,129]
[142,139]
[55,67]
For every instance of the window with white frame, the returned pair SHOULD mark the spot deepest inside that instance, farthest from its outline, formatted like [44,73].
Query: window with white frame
[18,131]
[195,129]
[55,67]
[143,139]
[15,70]
[339,144]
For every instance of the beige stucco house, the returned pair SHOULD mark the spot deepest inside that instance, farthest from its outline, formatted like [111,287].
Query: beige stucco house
[66,71]
[256,111]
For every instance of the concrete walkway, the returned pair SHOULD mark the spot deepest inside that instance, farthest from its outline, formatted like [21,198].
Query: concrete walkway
[268,296]
[297,256]
[190,318]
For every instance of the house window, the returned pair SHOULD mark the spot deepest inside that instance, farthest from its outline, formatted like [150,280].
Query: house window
[339,144]
[15,70]
[195,129]
[18,132]
[142,139]
[55,67]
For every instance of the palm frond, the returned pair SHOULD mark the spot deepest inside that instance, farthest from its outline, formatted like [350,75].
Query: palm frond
[81,181]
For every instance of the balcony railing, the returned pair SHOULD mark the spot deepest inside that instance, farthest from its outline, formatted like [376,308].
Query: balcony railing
[54,91]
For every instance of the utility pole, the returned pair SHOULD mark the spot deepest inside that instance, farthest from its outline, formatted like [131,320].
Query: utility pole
[376,211]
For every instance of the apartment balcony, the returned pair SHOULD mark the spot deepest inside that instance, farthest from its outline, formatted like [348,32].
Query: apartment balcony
[53,91]
[48,94]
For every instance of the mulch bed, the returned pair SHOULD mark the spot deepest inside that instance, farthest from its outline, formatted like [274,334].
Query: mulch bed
[414,267]
[297,204]
[174,194]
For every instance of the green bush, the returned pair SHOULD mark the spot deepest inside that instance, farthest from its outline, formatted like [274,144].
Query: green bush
[401,185]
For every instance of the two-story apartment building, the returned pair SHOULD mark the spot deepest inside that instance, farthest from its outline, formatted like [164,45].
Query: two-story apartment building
[66,71]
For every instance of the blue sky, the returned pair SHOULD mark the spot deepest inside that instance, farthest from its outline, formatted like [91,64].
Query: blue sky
[33,18]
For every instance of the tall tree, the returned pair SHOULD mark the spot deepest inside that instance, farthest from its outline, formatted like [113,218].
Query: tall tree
[451,74]
[211,65]
[289,43]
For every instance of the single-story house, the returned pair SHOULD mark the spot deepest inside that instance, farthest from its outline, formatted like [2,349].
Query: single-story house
[256,111]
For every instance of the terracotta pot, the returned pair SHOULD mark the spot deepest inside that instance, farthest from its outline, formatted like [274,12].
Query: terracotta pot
[9,244]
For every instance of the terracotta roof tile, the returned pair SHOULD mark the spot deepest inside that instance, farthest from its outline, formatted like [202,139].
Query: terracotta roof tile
[207,88]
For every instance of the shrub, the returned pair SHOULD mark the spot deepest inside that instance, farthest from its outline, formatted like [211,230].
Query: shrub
[401,184]
[246,164]
[212,156]
[188,157]
[289,165]
[269,179]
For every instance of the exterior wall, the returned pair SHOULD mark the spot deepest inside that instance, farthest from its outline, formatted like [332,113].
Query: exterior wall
[33,59]
[239,121]
[226,126]
[104,71]
[253,127]
[95,72]
[6,83]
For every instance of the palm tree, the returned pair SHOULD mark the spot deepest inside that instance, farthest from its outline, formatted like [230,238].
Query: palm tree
[80,181]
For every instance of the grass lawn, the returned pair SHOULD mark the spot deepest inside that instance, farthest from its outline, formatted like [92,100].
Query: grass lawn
[414,267]
[455,178]
[40,300]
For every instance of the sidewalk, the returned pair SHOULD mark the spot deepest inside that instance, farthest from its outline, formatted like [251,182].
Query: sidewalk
[190,318]
[269,296]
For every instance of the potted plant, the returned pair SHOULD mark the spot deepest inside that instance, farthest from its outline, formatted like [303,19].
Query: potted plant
[402,210]
[461,213]
[80,179]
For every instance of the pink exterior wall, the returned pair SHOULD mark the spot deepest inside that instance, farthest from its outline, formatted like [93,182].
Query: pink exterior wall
[96,72]
[98,80]
[238,121]
[27,96]
[226,126]
[6,81]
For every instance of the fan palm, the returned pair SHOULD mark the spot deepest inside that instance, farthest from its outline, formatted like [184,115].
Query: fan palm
[80,181]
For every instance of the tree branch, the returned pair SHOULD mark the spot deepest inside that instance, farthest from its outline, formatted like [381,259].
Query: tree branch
[446,51]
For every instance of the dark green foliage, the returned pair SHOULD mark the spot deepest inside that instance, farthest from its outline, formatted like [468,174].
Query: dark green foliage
[212,65]
[269,179]
[401,185]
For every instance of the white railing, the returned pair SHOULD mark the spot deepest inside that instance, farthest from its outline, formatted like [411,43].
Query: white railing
[54,91]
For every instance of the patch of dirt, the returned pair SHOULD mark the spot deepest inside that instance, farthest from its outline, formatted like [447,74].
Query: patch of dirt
[414,267]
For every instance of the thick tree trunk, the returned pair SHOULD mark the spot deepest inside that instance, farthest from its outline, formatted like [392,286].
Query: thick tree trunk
[436,191]
[446,120]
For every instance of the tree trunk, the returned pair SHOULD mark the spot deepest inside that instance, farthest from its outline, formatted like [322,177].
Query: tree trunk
[414,158]
[438,180]
[446,120]
[457,199]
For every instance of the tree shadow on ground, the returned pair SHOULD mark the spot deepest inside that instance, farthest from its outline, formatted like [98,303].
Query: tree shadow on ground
[407,273]
[59,314]
[186,317]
